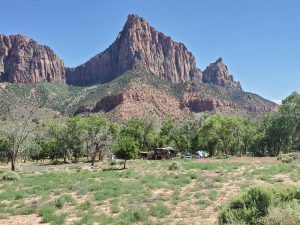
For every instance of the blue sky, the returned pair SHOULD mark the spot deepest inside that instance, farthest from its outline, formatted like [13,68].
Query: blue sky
[259,40]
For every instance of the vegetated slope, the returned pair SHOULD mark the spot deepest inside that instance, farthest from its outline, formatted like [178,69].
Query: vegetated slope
[140,93]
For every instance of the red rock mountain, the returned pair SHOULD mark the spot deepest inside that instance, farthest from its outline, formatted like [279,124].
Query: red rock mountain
[170,84]
[217,73]
[22,60]
[138,46]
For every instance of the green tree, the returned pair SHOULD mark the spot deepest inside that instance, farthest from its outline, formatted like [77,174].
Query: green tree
[290,114]
[248,134]
[57,131]
[100,133]
[127,148]
[282,128]
[5,146]
[166,133]
[141,130]
[223,135]
[18,130]
[75,135]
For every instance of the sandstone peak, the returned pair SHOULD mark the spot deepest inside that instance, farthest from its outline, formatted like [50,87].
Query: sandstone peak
[22,60]
[133,19]
[219,60]
[217,73]
[138,46]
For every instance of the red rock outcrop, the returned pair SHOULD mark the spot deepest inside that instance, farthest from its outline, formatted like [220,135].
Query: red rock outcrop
[217,73]
[138,46]
[202,105]
[22,60]
[138,100]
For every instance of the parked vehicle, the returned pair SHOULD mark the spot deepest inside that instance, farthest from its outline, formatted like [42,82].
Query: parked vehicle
[165,153]
[201,154]
[188,156]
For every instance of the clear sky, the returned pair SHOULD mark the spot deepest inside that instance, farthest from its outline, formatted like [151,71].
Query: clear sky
[259,40]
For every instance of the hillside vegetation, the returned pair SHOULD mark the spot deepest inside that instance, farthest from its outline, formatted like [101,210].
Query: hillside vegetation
[67,98]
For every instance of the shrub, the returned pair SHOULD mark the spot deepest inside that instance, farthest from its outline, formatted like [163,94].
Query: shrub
[280,216]
[59,203]
[293,155]
[255,205]
[286,159]
[10,175]
[134,215]
[174,166]
[159,210]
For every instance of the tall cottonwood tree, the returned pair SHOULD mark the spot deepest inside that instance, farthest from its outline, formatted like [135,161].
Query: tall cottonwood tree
[100,133]
[17,127]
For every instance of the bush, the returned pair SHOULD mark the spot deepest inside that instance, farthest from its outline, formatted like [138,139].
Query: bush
[255,206]
[59,203]
[174,166]
[133,215]
[286,159]
[280,216]
[293,155]
[10,175]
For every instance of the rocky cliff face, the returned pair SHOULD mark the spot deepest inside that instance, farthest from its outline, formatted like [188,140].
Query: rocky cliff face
[217,73]
[138,46]
[22,60]
[138,100]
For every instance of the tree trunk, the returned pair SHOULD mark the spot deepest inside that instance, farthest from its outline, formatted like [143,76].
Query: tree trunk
[93,158]
[13,164]
[75,156]
[65,159]
[124,165]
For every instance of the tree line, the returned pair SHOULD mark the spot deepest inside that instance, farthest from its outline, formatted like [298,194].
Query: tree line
[92,137]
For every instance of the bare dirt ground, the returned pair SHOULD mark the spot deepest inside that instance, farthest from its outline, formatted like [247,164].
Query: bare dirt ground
[23,220]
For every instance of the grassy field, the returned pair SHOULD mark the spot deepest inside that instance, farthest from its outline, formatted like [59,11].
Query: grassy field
[148,192]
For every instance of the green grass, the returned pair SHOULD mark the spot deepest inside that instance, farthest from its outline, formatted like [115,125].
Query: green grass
[47,212]
[145,191]
[159,210]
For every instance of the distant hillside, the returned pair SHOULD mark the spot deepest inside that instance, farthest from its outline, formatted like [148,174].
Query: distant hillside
[140,93]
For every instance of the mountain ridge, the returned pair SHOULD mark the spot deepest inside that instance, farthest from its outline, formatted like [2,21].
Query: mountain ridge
[139,50]
[138,46]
